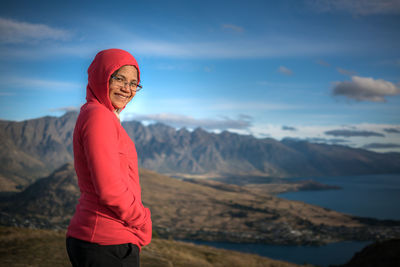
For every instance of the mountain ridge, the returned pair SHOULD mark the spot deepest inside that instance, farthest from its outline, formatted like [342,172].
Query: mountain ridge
[34,148]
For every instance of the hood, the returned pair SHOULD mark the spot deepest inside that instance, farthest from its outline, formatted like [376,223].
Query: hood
[104,64]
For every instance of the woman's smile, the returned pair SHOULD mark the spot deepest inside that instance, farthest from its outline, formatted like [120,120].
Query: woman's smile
[122,96]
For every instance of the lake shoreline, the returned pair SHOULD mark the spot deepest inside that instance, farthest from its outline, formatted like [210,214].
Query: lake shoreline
[331,254]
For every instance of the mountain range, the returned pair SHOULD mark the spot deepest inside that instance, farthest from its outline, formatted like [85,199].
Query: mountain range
[45,194]
[34,148]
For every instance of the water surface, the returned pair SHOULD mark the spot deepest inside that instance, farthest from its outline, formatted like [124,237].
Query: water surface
[375,196]
[331,254]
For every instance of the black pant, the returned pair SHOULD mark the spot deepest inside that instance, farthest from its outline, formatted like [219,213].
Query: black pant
[86,254]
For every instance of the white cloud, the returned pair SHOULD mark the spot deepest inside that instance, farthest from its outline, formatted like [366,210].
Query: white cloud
[65,109]
[271,47]
[327,140]
[12,31]
[179,121]
[232,27]
[220,105]
[318,133]
[250,105]
[32,83]
[285,70]
[350,133]
[357,7]
[366,89]
[288,128]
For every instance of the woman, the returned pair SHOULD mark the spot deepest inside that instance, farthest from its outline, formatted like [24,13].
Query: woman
[110,224]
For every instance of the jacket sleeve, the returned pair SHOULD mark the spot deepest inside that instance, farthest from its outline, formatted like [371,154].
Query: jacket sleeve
[100,142]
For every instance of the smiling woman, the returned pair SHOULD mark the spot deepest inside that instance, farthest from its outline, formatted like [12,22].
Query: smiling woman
[110,224]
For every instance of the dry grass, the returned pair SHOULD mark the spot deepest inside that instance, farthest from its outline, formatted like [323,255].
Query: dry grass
[28,247]
[185,206]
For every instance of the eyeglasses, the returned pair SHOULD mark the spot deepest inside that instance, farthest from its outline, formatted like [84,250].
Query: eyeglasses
[122,82]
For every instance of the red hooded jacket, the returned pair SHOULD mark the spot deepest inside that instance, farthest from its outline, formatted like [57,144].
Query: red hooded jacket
[110,209]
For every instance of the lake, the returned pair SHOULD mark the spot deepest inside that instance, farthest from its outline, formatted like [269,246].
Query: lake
[375,196]
[335,253]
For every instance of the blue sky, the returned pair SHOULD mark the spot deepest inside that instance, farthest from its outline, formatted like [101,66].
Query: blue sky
[325,71]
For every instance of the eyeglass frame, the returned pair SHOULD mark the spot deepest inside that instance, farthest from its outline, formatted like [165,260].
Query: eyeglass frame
[138,87]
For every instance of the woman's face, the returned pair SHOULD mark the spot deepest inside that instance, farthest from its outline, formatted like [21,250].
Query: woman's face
[120,92]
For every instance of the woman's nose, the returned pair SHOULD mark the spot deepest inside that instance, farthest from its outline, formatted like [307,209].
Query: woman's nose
[126,87]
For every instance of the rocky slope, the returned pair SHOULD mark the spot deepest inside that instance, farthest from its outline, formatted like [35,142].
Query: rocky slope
[208,211]
[33,148]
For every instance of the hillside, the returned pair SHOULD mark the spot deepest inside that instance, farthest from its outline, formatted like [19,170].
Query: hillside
[202,211]
[33,148]
[46,248]
[385,253]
